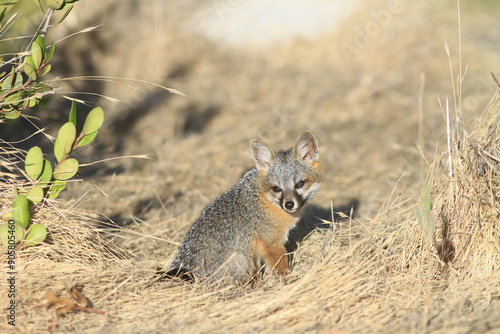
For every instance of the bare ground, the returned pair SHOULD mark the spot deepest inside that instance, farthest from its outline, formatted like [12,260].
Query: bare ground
[380,125]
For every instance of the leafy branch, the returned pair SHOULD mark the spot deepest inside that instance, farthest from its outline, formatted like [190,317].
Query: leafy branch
[21,88]
[20,85]
[48,182]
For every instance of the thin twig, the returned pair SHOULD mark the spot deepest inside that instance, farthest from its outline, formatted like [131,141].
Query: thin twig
[459,88]
[450,162]
[421,123]
[495,78]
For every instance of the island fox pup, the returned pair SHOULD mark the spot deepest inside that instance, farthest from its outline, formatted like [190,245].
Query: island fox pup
[249,224]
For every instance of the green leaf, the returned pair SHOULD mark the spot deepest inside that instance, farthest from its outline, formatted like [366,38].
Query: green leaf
[21,211]
[55,4]
[18,80]
[35,194]
[29,68]
[5,7]
[37,53]
[12,114]
[36,235]
[56,188]
[9,80]
[46,174]
[87,139]
[66,169]
[33,102]
[64,141]
[25,104]
[93,121]
[41,41]
[46,69]
[11,230]
[66,13]
[72,113]
[49,55]
[34,162]
[15,98]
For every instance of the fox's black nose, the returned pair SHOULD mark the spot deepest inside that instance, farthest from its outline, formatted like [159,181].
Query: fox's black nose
[289,205]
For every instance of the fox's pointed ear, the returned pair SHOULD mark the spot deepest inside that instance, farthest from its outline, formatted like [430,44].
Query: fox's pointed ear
[306,147]
[262,154]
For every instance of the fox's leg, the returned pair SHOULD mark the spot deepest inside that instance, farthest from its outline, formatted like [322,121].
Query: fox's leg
[274,255]
[277,258]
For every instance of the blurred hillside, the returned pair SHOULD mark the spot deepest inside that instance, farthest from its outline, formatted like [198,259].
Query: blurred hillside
[356,86]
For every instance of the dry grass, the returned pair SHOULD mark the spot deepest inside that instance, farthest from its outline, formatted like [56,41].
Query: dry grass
[375,273]
[465,192]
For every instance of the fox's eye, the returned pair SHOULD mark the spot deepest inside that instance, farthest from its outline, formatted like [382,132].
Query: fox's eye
[299,185]
[276,189]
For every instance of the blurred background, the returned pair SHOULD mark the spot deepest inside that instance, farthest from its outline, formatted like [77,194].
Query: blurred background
[358,74]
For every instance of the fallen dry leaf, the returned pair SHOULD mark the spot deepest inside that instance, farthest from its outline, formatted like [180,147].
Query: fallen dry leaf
[80,299]
[64,305]
[60,304]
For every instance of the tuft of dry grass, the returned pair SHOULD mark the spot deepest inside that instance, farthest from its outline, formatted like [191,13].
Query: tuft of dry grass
[465,191]
[73,234]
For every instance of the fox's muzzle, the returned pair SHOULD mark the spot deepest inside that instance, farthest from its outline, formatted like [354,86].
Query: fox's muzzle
[291,202]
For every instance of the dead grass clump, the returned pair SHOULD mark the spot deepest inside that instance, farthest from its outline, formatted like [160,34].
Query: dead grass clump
[74,252]
[465,193]
[72,235]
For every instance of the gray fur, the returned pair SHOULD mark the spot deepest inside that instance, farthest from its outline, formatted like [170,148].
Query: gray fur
[218,247]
